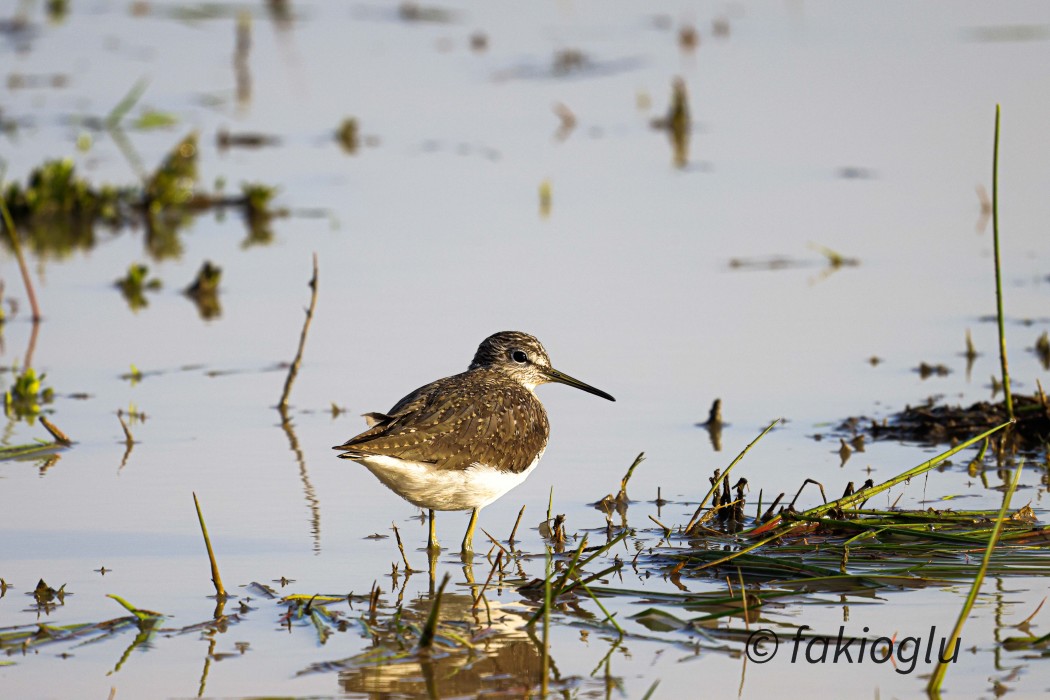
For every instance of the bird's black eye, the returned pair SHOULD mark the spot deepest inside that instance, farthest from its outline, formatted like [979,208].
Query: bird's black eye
[519,357]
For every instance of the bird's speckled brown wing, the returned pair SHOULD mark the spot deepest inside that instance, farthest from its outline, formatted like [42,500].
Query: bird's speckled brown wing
[458,421]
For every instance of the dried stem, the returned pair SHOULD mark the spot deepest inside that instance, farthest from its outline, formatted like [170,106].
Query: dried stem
[129,440]
[516,523]
[59,436]
[401,548]
[17,245]
[495,566]
[293,370]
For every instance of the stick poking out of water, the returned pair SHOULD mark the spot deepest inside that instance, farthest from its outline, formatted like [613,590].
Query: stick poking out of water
[216,579]
[627,477]
[59,436]
[293,370]
[516,523]
[401,548]
[9,224]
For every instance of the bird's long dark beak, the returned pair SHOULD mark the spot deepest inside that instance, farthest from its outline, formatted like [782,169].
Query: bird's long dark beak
[562,378]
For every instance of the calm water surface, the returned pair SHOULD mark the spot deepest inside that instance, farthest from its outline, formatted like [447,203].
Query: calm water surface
[814,124]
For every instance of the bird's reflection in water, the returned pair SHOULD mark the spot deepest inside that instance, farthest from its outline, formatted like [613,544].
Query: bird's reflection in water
[504,658]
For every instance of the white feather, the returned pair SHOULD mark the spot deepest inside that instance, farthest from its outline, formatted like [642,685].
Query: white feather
[424,486]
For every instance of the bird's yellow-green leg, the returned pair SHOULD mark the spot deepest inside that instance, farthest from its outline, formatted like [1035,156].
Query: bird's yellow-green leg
[432,558]
[432,542]
[468,539]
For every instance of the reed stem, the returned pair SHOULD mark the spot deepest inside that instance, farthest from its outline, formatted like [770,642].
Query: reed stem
[17,245]
[220,591]
[937,677]
[998,272]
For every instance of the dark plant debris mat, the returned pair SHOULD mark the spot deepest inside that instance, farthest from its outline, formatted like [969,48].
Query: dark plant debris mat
[933,423]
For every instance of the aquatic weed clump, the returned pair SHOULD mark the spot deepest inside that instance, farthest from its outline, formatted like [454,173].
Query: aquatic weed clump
[175,181]
[54,190]
[57,209]
[134,285]
[204,291]
[258,212]
[26,396]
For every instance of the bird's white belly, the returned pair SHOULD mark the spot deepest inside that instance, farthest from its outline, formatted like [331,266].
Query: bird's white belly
[426,487]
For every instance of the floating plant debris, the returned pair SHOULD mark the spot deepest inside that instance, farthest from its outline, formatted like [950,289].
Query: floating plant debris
[134,285]
[204,290]
[225,140]
[939,423]
[927,370]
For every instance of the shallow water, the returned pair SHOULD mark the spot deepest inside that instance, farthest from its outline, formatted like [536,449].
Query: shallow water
[817,123]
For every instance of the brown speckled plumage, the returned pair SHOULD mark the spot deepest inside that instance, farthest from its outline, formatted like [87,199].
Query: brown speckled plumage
[476,417]
[463,441]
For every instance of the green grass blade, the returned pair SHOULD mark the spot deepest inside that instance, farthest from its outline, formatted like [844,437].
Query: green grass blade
[934,686]
[1008,395]
[715,484]
[926,466]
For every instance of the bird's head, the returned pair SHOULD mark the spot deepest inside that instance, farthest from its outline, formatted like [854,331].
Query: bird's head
[522,357]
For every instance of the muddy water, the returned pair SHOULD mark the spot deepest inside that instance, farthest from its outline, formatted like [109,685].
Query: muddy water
[812,123]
